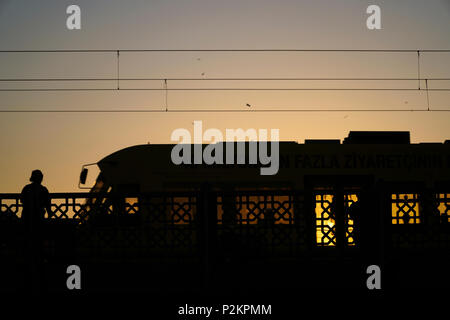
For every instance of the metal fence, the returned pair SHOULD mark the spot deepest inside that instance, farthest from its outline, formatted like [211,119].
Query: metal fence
[250,223]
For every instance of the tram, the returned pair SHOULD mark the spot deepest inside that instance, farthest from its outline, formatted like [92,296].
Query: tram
[333,206]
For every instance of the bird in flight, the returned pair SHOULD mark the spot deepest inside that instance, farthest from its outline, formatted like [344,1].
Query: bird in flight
[248,105]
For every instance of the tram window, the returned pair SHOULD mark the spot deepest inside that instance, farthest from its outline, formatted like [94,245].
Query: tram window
[325,222]
[255,209]
[444,207]
[176,210]
[182,210]
[131,205]
[405,208]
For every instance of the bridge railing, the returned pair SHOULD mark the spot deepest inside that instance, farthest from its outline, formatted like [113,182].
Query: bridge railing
[83,206]
[255,220]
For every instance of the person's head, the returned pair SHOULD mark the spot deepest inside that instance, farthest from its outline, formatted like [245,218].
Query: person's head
[36,176]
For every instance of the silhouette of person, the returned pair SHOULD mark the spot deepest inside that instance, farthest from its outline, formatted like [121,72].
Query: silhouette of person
[365,228]
[354,213]
[36,200]
[359,212]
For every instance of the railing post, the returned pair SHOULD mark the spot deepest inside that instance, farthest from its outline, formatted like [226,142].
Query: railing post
[383,195]
[340,217]
[34,243]
[207,232]
[310,219]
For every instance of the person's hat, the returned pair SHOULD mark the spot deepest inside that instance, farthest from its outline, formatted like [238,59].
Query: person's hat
[36,176]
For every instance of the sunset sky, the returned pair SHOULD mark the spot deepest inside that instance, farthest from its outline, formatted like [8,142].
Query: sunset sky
[60,143]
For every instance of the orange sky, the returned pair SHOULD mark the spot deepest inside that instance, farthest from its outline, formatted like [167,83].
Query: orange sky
[60,144]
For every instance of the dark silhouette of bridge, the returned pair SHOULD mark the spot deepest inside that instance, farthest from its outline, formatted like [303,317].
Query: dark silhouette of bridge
[224,241]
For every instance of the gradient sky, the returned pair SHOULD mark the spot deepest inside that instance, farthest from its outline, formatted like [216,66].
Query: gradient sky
[60,143]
